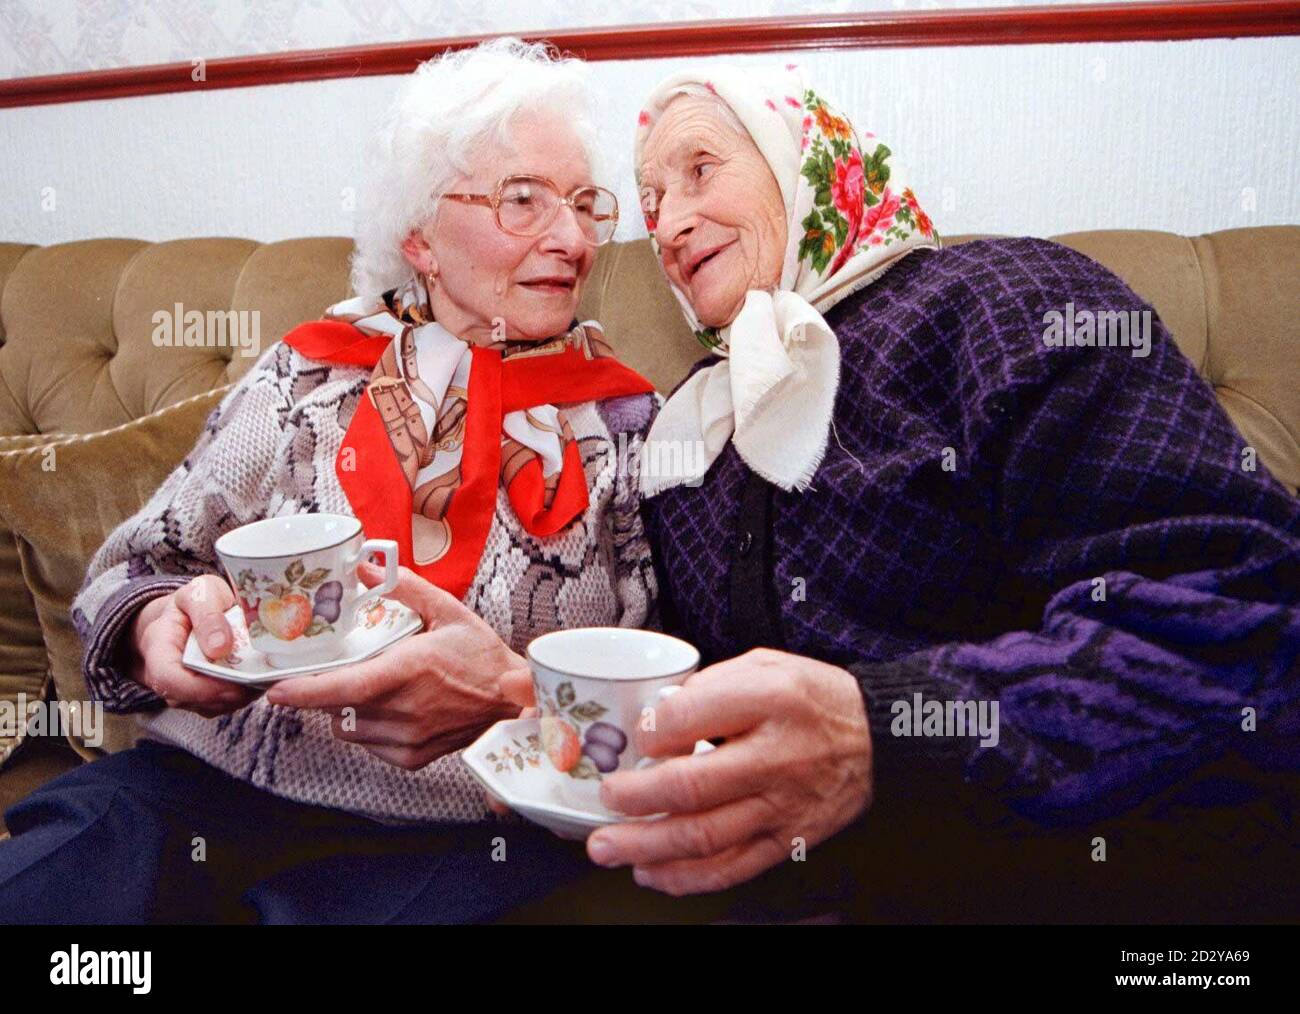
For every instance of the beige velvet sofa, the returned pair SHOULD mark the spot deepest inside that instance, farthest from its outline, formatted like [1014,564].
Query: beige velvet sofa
[93,413]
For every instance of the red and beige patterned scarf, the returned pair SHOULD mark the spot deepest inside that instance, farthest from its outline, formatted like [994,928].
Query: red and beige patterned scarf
[444,423]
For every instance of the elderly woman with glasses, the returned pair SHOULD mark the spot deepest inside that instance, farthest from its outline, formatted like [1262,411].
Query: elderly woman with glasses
[455,405]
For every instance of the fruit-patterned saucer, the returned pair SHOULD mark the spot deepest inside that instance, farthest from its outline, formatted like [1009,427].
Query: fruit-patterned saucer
[510,762]
[383,624]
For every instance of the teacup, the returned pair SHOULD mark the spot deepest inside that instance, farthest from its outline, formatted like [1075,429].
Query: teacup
[295,578]
[596,686]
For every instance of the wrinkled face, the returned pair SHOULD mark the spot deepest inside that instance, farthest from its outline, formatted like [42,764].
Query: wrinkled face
[529,284]
[719,218]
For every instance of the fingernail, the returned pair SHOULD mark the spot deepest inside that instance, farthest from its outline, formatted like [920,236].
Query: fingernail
[601,850]
[214,641]
[642,877]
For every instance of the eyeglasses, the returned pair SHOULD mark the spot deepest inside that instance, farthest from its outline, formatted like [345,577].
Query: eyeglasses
[526,206]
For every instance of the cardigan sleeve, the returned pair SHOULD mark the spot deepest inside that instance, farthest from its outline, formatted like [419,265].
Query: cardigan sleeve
[222,483]
[1169,574]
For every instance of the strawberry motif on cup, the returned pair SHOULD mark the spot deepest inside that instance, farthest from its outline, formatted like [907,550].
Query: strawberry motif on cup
[560,741]
[303,604]
[575,738]
[287,617]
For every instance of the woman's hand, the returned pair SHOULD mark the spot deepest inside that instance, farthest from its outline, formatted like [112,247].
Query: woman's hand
[796,764]
[152,649]
[424,697]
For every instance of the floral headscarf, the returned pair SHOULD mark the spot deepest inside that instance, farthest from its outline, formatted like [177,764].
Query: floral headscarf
[850,217]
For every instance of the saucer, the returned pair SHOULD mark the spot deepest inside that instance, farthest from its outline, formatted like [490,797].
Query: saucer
[374,632]
[509,762]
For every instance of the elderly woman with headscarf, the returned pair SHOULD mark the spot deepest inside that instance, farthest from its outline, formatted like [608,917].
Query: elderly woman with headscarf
[454,405]
[910,495]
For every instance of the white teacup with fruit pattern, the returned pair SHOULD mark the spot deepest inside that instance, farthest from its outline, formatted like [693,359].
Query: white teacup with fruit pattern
[596,686]
[295,578]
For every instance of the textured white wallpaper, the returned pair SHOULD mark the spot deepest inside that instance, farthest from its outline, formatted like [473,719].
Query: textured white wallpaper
[1188,136]
[57,36]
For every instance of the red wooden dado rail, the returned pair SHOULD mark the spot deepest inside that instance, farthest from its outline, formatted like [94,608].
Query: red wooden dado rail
[985,26]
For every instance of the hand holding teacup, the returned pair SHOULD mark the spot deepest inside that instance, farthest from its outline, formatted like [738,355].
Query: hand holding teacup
[592,688]
[795,768]
[424,697]
[596,687]
[295,578]
[153,646]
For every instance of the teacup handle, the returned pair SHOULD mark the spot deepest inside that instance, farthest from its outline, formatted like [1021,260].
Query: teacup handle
[372,595]
[701,746]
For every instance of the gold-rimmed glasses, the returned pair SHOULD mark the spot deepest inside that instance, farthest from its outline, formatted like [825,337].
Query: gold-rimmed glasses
[526,205]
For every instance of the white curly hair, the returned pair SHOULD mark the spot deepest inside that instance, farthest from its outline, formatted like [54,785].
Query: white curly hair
[448,108]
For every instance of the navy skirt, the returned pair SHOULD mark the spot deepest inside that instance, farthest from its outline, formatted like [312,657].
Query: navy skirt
[154,834]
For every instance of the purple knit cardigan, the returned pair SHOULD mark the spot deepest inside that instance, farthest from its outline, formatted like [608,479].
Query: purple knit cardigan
[977,485]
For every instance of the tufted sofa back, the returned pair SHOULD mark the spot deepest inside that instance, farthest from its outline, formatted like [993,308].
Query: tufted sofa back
[77,320]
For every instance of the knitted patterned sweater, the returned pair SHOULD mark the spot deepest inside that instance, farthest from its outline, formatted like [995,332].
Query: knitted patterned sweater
[267,450]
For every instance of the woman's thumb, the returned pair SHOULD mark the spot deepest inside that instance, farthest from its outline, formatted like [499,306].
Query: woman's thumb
[517,687]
